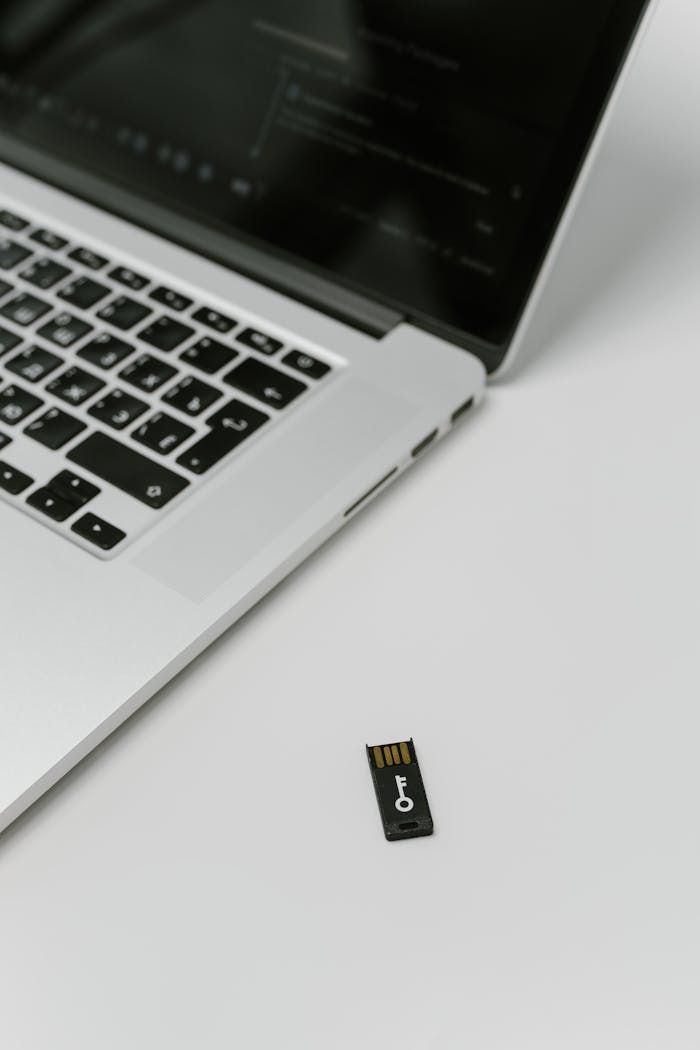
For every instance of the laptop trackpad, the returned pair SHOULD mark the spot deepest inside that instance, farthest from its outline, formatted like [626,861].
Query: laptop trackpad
[268,493]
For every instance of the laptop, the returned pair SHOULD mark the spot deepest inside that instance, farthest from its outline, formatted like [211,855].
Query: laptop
[255,260]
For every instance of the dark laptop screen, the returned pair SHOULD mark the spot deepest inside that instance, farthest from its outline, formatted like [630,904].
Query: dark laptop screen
[418,151]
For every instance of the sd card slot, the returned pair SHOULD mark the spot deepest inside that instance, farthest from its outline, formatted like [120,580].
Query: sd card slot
[362,499]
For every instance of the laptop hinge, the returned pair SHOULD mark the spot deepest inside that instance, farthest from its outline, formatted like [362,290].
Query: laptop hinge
[251,261]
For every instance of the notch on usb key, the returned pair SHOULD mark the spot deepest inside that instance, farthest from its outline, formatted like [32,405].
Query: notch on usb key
[398,785]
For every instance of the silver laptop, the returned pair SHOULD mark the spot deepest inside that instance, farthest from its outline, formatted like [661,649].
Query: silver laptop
[255,259]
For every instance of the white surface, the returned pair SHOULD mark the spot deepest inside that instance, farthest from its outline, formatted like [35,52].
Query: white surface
[525,604]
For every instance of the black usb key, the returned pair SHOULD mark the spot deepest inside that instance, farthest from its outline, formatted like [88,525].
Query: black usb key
[398,784]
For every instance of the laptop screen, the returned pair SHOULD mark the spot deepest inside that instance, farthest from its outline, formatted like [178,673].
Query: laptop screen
[417,152]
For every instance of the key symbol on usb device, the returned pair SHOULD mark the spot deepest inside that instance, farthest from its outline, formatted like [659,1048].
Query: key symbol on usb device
[404,804]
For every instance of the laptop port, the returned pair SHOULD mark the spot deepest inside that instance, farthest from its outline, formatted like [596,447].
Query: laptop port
[424,444]
[375,488]
[461,410]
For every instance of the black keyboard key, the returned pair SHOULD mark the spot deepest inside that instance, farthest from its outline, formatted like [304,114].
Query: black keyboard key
[166,333]
[118,409]
[191,396]
[44,273]
[11,253]
[5,288]
[12,221]
[64,329]
[209,355]
[88,258]
[168,297]
[75,490]
[231,426]
[16,404]
[13,480]
[237,417]
[8,341]
[265,383]
[25,309]
[75,386]
[83,293]
[142,478]
[162,433]
[4,440]
[123,312]
[307,364]
[213,319]
[265,344]
[105,351]
[54,429]
[209,451]
[46,501]
[33,364]
[49,239]
[99,532]
[125,276]
[147,373]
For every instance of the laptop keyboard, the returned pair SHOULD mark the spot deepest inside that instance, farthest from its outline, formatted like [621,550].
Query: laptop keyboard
[118,394]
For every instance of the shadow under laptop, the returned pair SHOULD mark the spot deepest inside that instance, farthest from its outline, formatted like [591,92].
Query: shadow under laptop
[632,209]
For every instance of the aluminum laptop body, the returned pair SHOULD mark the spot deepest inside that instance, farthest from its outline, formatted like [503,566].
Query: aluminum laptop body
[254,260]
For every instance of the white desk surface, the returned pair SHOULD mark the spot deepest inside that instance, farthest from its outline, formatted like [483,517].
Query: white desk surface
[525,604]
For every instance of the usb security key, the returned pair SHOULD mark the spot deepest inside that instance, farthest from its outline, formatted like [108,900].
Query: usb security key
[398,785]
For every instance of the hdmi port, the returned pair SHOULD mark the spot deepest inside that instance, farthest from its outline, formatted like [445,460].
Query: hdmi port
[462,409]
[424,444]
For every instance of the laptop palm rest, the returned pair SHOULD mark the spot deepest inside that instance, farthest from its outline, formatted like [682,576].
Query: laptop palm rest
[276,487]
